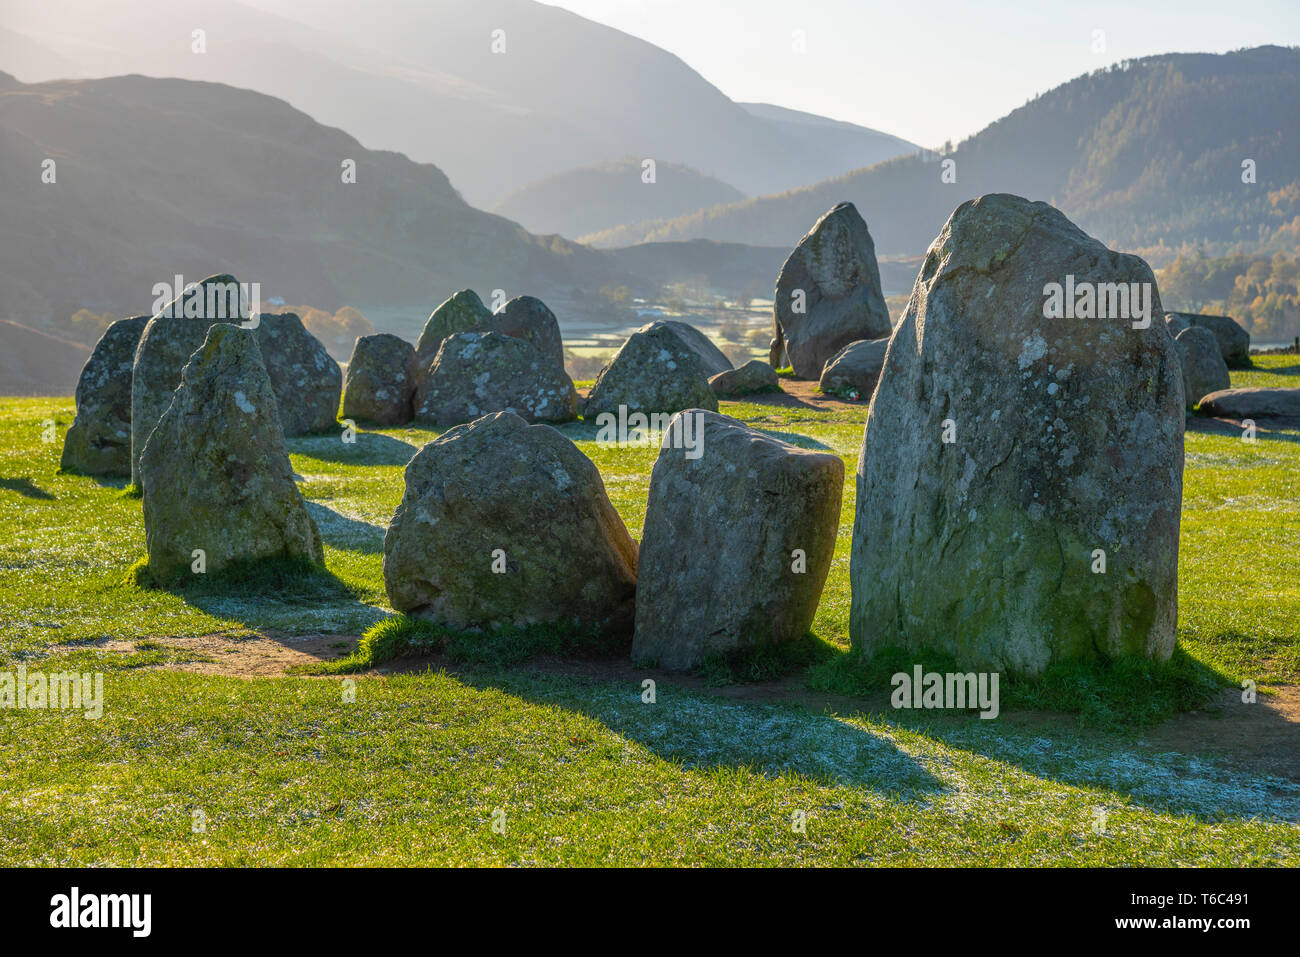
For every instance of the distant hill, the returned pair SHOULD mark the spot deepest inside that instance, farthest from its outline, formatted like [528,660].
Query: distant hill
[421,77]
[35,363]
[595,198]
[158,177]
[1147,155]
[846,146]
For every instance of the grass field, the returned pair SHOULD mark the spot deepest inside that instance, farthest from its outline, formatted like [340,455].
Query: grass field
[568,761]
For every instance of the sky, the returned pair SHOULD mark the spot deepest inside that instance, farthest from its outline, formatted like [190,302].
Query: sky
[934,70]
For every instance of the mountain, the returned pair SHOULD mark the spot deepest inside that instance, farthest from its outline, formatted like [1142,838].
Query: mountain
[36,363]
[1146,155]
[158,177]
[420,77]
[846,146]
[595,198]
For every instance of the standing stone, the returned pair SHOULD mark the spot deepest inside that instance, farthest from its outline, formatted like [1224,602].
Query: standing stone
[653,371]
[476,373]
[380,386]
[305,378]
[1233,340]
[754,376]
[1006,451]
[168,341]
[528,318]
[855,368]
[99,440]
[504,524]
[737,542]
[462,312]
[828,293]
[712,360]
[215,474]
[1204,370]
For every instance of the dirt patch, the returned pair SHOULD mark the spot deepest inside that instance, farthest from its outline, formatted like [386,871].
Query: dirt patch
[252,657]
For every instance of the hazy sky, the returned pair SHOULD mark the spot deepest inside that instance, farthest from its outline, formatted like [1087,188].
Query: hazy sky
[933,70]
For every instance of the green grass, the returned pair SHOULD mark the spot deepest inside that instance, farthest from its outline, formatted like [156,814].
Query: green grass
[1269,372]
[287,771]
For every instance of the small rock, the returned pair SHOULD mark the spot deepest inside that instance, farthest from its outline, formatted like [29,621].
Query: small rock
[855,368]
[754,376]
[381,380]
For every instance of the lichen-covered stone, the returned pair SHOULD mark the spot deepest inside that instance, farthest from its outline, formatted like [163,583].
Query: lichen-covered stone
[754,376]
[653,371]
[855,368]
[504,524]
[306,380]
[215,473]
[528,318]
[833,278]
[168,341]
[476,373]
[1254,404]
[381,380]
[99,439]
[461,312]
[1020,483]
[712,360]
[1204,370]
[737,542]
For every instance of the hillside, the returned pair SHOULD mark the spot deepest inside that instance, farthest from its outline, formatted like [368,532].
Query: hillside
[160,177]
[35,363]
[1144,155]
[563,93]
[595,198]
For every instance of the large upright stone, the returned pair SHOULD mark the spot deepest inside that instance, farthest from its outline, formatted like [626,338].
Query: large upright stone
[1204,370]
[653,371]
[828,294]
[737,543]
[1020,481]
[306,380]
[712,360]
[528,318]
[382,375]
[477,373]
[215,474]
[1233,340]
[99,440]
[461,312]
[504,524]
[168,341]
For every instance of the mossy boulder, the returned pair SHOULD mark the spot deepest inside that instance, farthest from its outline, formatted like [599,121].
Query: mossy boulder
[653,371]
[381,381]
[476,373]
[306,380]
[99,439]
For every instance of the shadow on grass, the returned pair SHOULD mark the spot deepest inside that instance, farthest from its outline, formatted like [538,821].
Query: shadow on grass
[26,488]
[256,594]
[347,534]
[1266,430]
[700,731]
[370,448]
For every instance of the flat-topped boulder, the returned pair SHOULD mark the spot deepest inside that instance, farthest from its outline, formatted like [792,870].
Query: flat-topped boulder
[855,368]
[477,373]
[528,318]
[754,376]
[215,473]
[828,294]
[653,371]
[461,312]
[712,359]
[99,440]
[1020,482]
[1204,370]
[1240,404]
[168,341]
[381,380]
[1233,339]
[306,380]
[505,525]
[737,542]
